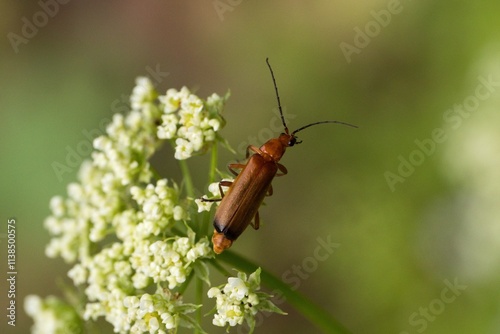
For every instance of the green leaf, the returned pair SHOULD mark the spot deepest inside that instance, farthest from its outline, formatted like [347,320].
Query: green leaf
[268,306]
[187,308]
[211,312]
[188,322]
[241,275]
[254,279]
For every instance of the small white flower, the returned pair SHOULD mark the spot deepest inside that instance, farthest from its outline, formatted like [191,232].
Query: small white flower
[53,225]
[253,299]
[214,188]
[203,205]
[209,135]
[183,149]
[146,303]
[168,320]
[215,100]
[195,136]
[78,274]
[215,124]
[32,305]
[153,324]
[131,302]
[193,104]
[75,191]
[179,213]
[143,92]
[168,128]
[172,99]
[140,280]
[213,292]
[236,288]
[57,206]
[215,192]
[200,250]
[182,245]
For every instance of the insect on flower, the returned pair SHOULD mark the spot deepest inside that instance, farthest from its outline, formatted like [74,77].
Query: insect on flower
[240,205]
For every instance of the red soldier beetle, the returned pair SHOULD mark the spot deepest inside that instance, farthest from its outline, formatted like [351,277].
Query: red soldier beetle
[246,193]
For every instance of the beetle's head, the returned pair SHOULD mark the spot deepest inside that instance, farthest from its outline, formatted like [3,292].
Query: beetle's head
[288,140]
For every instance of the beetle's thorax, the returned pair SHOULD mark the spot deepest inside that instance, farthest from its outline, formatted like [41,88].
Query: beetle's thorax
[276,147]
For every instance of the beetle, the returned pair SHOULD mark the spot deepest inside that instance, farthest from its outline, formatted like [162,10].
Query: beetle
[240,204]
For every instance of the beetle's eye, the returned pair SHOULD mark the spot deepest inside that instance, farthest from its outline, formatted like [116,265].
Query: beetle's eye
[292,141]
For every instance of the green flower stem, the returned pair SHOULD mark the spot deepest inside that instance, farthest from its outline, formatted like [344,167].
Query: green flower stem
[303,305]
[205,221]
[213,163]
[186,177]
[199,301]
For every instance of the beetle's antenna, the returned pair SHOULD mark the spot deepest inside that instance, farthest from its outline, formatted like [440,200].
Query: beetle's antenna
[322,122]
[277,96]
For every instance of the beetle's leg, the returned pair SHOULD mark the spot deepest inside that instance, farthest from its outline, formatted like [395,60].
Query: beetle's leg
[224,184]
[270,190]
[256,221]
[239,166]
[232,168]
[255,149]
[282,169]
[221,184]
[211,199]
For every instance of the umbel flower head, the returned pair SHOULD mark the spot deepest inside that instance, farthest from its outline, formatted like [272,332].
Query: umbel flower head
[129,233]
[240,300]
[190,121]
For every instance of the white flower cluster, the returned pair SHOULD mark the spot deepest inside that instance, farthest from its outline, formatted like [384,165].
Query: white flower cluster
[130,140]
[117,272]
[158,313]
[159,206]
[120,159]
[240,300]
[83,216]
[188,120]
[52,316]
[167,261]
[125,232]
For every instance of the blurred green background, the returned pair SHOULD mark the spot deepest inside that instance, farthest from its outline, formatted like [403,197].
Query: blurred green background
[408,64]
